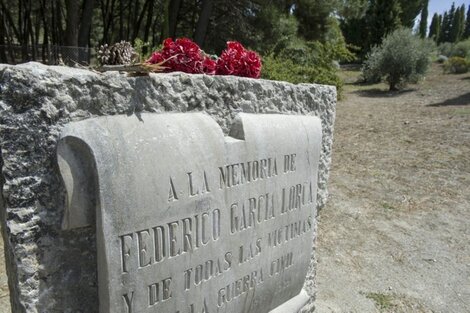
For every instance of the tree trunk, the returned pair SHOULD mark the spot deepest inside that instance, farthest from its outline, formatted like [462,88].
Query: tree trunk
[203,22]
[10,33]
[121,19]
[70,54]
[148,23]
[45,38]
[393,86]
[3,55]
[166,19]
[22,39]
[135,22]
[56,25]
[85,25]
[140,18]
[174,9]
[129,19]
[84,32]
[20,22]
[8,19]
[105,21]
[31,33]
[71,28]
[154,34]
[37,25]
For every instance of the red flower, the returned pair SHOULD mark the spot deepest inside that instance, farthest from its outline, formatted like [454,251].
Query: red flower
[183,55]
[156,57]
[236,60]
[208,66]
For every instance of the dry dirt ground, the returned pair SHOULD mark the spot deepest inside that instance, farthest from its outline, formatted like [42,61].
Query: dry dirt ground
[395,235]
[4,293]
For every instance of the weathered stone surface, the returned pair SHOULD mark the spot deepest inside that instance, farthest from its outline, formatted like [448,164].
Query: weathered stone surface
[52,270]
[190,221]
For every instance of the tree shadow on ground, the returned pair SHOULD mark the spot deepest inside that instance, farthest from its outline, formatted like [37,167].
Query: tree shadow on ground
[460,100]
[380,93]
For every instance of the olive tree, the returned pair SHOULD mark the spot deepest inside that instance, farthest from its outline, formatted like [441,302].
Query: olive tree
[401,58]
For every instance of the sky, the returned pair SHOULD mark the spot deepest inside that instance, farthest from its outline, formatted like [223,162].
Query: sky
[439,6]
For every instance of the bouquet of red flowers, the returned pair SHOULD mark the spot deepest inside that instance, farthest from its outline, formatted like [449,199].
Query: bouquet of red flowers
[184,55]
[236,60]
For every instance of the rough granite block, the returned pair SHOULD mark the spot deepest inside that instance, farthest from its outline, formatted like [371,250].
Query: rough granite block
[52,270]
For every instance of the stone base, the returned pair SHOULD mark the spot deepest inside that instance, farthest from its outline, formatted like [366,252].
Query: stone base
[51,270]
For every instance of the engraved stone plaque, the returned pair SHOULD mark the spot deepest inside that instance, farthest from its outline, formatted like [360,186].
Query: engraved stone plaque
[190,221]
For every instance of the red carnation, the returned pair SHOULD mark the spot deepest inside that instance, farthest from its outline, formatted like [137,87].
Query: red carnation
[236,60]
[183,55]
[208,66]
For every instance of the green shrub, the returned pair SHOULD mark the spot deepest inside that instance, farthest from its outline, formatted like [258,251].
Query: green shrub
[457,65]
[299,61]
[461,49]
[142,48]
[276,68]
[446,49]
[402,58]
[372,67]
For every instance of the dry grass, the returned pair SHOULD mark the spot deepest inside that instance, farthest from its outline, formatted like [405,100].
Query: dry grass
[4,292]
[399,213]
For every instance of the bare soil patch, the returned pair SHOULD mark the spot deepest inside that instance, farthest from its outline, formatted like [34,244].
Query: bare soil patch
[4,291]
[395,234]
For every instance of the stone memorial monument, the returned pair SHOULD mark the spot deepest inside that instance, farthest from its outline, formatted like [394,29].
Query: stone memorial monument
[110,206]
[190,221]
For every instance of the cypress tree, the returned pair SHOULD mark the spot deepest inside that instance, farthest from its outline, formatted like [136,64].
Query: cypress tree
[423,23]
[383,17]
[435,27]
[313,17]
[450,23]
[466,32]
[447,25]
[410,9]
[462,22]
[440,28]
[456,26]
[441,37]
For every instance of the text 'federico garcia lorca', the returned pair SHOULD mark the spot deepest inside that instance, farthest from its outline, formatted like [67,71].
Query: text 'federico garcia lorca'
[262,225]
